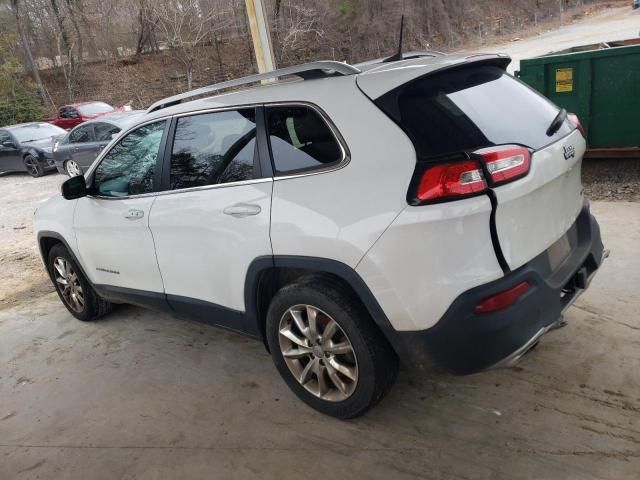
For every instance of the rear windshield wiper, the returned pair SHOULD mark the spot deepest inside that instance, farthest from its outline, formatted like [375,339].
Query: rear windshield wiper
[557,122]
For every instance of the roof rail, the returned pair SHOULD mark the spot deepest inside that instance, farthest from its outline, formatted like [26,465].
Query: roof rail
[307,71]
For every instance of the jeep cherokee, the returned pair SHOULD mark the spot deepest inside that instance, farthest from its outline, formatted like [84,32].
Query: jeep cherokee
[427,210]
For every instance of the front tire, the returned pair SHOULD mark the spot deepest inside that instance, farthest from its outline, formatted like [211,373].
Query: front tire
[328,350]
[72,168]
[73,288]
[33,166]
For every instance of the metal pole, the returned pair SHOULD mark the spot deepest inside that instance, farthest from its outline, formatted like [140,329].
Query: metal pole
[260,35]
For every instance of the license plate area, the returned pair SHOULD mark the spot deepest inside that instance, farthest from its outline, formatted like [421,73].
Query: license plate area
[558,252]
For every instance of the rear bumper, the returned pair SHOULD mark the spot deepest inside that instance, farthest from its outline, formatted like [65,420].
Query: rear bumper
[464,342]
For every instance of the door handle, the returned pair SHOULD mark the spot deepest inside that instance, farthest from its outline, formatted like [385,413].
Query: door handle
[242,210]
[134,214]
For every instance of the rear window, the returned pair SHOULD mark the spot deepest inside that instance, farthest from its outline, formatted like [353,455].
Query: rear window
[95,108]
[300,140]
[470,108]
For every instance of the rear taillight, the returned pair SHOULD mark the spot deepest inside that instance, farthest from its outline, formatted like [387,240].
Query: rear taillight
[450,180]
[573,118]
[506,163]
[502,300]
[462,175]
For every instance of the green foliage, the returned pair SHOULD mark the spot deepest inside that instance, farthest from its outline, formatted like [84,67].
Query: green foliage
[346,11]
[18,100]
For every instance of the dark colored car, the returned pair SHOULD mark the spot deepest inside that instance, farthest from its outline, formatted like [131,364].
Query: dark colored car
[77,150]
[69,116]
[28,147]
[636,4]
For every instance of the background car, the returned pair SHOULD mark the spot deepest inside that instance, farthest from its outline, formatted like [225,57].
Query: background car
[77,150]
[636,4]
[69,116]
[28,147]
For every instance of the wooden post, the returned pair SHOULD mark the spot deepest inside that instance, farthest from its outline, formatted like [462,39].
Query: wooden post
[260,35]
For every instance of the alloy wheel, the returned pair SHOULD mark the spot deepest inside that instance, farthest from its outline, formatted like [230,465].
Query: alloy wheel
[318,353]
[73,169]
[68,284]
[31,163]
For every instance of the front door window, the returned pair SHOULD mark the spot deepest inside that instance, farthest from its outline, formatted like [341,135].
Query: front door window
[129,167]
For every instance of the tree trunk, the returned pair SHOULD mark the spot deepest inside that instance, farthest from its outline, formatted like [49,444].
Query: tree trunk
[217,44]
[27,50]
[89,31]
[66,49]
[76,28]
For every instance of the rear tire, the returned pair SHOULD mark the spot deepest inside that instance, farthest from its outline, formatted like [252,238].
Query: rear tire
[340,370]
[33,166]
[73,288]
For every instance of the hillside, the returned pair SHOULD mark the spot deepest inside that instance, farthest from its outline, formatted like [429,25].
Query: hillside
[141,79]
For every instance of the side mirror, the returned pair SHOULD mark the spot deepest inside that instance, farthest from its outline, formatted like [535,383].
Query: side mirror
[75,187]
[9,145]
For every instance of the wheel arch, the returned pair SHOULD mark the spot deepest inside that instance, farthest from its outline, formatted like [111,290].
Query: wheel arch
[31,151]
[47,240]
[267,275]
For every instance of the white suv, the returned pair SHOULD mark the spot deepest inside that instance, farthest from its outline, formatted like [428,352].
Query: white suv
[427,210]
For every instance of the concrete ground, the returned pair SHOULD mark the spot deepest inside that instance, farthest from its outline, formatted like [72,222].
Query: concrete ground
[144,395]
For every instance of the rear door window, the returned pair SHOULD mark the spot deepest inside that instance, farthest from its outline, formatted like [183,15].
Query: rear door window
[470,108]
[213,148]
[83,134]
[105,131]
[301,140]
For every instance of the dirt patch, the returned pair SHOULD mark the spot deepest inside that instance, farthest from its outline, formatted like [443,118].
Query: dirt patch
[23,275]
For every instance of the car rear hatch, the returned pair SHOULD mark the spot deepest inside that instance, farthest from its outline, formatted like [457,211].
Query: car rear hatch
[487,133]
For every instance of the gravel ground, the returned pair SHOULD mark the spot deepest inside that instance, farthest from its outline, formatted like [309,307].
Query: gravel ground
[612,23]
[22,271]
[612,179]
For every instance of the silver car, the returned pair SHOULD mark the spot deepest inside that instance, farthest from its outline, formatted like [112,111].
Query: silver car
[77,150]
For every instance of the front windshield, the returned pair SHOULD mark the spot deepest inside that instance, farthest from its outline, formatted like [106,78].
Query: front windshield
[36,131]
[95,108]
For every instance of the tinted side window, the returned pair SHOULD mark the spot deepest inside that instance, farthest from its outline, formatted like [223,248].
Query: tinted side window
[300,139]
[104,131]
[68,112]
[82,134]
[129,167]
[5,138]
[213,148]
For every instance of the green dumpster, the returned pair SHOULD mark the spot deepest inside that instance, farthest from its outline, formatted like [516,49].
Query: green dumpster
[599,83]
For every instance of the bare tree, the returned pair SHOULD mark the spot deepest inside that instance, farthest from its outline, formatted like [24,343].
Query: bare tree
[70,62]
[185,25]
[31,64]
[146,28]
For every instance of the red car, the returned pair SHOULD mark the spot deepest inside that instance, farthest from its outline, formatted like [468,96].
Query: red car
[68,116]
